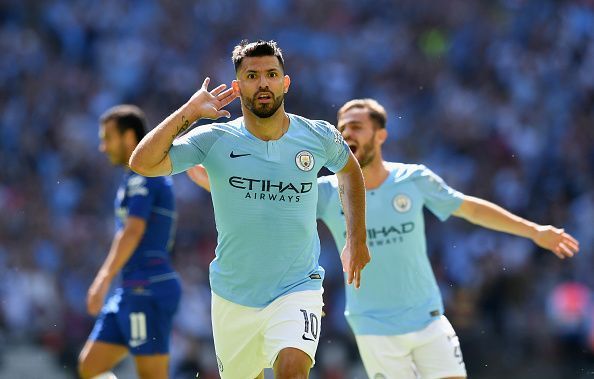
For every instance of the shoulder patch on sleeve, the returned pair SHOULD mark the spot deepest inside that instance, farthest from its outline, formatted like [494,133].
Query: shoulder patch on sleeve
[137,186]
[338,139]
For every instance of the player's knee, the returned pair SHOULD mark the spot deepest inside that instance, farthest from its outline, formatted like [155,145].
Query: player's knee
[292,366]
[87,372]
[84,371]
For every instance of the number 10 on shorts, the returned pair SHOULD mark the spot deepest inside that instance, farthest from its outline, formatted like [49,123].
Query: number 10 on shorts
[312,326]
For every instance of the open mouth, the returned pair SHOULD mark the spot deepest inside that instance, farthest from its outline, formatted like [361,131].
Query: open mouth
[264,97]
[353,148]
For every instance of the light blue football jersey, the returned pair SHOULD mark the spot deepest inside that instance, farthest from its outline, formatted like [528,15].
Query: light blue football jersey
[264,195]
[398,293]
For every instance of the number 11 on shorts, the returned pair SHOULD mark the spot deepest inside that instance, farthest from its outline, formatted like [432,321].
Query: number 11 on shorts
[312,326]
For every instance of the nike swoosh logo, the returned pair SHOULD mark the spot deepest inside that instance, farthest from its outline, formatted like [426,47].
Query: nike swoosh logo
[232,155]
[136,343]
[307,338]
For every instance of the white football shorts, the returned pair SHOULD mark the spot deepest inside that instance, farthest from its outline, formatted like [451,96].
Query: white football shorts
[431,353]
[248,340]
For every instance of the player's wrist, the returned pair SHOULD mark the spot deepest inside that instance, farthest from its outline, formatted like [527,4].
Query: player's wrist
[534,231]
[357,239]
[189,112]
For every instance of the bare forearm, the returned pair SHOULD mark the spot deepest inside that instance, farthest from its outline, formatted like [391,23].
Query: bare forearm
[352,195]
[492,216]
[150,157]
[122,248]
[351,188]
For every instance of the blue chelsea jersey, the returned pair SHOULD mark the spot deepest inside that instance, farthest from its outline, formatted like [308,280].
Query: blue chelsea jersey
[152,200]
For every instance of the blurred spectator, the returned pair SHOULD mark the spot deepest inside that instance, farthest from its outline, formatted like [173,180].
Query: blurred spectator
[496,96]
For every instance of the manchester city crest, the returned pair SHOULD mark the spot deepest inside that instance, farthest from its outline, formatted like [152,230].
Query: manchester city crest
[305,160]
[402,203]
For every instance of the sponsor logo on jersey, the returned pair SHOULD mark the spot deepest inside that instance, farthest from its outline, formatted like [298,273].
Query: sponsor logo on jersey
[388,234]
[305,160]
[402,203]
[266,189]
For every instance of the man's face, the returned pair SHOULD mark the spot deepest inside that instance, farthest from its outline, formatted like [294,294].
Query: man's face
[112,143]
[360,133]
[261,84]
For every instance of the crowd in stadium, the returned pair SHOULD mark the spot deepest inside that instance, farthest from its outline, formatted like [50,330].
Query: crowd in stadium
[497,97]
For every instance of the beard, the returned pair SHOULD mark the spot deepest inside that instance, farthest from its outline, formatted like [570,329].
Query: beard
[263,110]
[367,153]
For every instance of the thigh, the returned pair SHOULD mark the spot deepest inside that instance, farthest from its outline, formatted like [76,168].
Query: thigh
[294,322]
[439,356]
[98,357]
[292,362]
[238,340]
[386,357]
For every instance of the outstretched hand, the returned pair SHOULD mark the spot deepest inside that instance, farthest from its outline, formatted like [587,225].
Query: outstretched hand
[210,104]
[562,244]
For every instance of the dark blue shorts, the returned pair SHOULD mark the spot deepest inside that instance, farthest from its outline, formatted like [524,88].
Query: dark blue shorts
[139,318]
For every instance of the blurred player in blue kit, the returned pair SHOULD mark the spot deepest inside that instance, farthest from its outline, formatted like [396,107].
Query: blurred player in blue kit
[397,314]
[266,280]
[137,318]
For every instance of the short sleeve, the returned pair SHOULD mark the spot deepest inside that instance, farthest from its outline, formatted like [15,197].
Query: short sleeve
[141,192]
[439,198]
[337,150]
[192,148]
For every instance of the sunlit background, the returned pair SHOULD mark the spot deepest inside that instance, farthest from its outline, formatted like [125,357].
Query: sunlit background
[497,97]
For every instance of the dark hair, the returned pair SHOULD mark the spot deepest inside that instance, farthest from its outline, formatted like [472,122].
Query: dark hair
[259,48]
[126,117]
[376,111]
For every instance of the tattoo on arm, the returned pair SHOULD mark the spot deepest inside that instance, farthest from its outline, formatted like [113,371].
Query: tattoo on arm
[180,129]
[185,124]
[341,194]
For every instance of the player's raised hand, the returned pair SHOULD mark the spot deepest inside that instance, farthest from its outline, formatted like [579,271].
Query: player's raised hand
[199,176]
[562,244]
[353,259]
[210,104]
